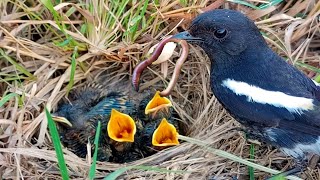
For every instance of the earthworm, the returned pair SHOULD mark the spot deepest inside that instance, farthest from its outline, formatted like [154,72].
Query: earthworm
[144,64]
[177,68]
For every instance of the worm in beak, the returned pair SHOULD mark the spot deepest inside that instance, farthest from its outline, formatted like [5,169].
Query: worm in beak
[138,70]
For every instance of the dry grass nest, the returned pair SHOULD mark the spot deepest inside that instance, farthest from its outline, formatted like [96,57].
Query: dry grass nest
[36,64]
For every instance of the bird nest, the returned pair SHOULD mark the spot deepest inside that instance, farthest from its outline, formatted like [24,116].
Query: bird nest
[36,70]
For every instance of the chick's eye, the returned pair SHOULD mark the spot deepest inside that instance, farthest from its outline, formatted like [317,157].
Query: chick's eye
[220,33]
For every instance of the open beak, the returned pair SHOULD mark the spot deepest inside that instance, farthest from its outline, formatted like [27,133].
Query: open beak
[185,35]
[62,120]
[158,103]
[165,135]
[121,127]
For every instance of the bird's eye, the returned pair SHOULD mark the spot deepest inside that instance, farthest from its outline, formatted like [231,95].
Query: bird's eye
[220,33]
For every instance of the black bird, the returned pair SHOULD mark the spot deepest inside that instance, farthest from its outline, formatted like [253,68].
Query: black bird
[274,100]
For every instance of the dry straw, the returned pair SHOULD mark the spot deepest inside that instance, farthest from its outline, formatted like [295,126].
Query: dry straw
[29,35]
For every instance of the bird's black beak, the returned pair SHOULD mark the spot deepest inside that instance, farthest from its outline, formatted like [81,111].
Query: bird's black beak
[185,35]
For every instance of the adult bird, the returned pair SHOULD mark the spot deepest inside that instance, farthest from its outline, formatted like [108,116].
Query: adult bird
[274,100]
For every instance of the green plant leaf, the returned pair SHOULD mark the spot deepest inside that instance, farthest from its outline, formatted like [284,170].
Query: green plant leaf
[251,169]
[6,98]
[232,157]
[271,3]
[57,146]
[95,154]
[59,21]
[307,66]
[73,69]
[114,175]
[17,66]
[48,4]
[317,79]
[183,2]
[245,3]
[137,21]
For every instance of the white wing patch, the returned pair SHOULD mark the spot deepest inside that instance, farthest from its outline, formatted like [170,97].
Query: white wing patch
[293,104]
[316,83]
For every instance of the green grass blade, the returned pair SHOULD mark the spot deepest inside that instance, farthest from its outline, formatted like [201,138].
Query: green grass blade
[251,169]
[59,21]
[73,69]
[184,2]
[48,4]
[6,98]
[121,7]
[57,146]
[95,154]
[64,43]
[317,79]
[244,3]
[114,175]
[138,20]
[16,65]
[280,177]
[271,3]
[232,157]
[309,67]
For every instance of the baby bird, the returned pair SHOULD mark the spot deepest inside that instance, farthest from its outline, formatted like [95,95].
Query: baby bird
[87,106]
[159,113]
[125,117]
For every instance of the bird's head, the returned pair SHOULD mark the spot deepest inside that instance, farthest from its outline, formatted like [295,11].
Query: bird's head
[158,107]
[222,32]
[121,127]
[165,135]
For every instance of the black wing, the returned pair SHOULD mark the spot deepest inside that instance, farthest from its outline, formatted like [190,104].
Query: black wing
[281,77]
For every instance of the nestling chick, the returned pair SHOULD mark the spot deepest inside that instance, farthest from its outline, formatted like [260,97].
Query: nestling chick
[158,110]
[88,106]
[158,135]
[121,112]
